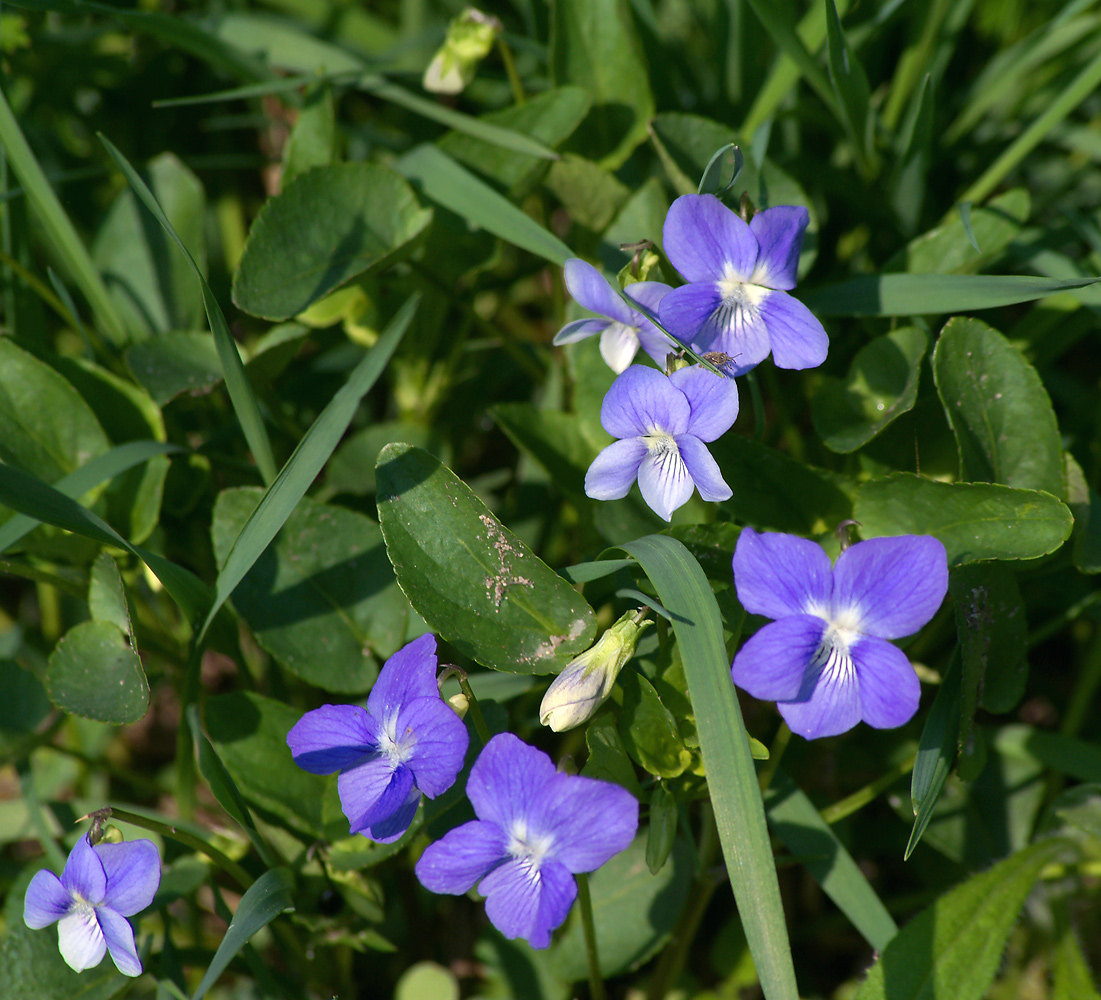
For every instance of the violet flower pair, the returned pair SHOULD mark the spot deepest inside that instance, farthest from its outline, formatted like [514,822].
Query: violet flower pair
[735,301]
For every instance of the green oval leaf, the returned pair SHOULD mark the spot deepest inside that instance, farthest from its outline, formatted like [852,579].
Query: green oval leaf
[975,521]
[46,427]
[322,598]
[881,385]
[329,225]
[94,673]
[471,578]
[990,393]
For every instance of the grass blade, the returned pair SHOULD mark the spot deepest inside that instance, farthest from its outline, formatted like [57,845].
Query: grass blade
[724,743]
[240,392]
[62,235]
[851,87]
[775,22]
[23,492]
[1081,87]
[798,824]
[444,181]
[99,470]
[265,899]
[933,294]
[306,462]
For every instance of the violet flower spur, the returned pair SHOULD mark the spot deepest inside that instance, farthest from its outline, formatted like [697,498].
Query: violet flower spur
[99,888]
[405,743]
[739,274]
[663,422]
[825,660]
[623,329]
[535,830]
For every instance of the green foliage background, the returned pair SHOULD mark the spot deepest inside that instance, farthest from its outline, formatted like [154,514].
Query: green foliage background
[277,395]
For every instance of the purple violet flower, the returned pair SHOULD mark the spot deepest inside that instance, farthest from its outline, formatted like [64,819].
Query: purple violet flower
[99,888]
[405,743]
[535,830]
[739,274]
[663,422]
[825,660]
[623,329]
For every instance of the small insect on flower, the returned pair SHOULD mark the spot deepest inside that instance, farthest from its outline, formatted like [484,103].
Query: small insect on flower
[98,889]
[535,830]
[663,422]
[623,329]
[825,660]
[738,276]
[405,743]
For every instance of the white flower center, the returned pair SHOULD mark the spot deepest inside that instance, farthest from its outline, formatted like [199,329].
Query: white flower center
[832,657]
[396,747]
[527,846]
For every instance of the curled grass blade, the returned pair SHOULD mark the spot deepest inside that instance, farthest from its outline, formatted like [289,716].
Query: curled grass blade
[724,744]
[240,392]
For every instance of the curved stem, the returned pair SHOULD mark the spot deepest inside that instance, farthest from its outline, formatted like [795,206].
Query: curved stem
[475,709]
[862,796]
[596,980]
[775,752]
[223,861]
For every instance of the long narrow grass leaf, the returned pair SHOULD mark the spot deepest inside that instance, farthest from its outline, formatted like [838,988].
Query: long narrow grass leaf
[240,392]
[267,897]
[21,491]
[850,85]
[456,188]
[775,21]
[933,294]
[60,230]
[1081,87]
[724,744]
[99,470]
[306,462]
[798,824]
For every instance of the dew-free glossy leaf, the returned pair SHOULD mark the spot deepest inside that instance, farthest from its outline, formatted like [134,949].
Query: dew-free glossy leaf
[881,385]
[471,578]
[327,226]
[649,729]
[991,393]
[955,946]
[975,521]
[31,966]
[663,828]
[322,599]
[95,673]
[312,142]
[107,595]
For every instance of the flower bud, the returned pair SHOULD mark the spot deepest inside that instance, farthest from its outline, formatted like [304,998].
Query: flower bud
[577,692]
[470,37]
[460,704]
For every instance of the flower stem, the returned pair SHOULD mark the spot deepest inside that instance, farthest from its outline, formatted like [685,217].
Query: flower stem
[475,709]
[861,797]
[223,861]
[518,94]
[40,815]
[703,886]
[596,980]
[775,752]
[758,406]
